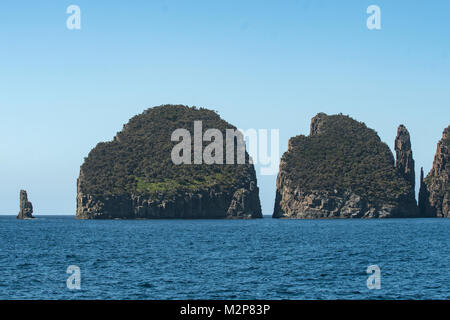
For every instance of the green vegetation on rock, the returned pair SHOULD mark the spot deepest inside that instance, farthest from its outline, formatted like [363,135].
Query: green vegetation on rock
[168,186]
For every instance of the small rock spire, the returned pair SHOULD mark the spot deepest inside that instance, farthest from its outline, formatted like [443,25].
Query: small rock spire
[316,124]
[26,208]
[423,196]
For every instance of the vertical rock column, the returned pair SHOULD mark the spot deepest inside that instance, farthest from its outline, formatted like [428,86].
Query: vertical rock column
[26,208]
[404,157]
[404,164]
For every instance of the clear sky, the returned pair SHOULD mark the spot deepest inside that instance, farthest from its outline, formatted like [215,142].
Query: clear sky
[261,64]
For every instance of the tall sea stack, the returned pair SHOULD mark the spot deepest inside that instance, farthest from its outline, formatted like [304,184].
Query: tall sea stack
[134,176]
[434,195]
[343,170]
[404,157]
[26,208]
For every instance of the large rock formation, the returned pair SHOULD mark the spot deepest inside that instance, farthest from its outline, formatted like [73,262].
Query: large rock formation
[434,195]
[134,177]
[26,208]
[343,170]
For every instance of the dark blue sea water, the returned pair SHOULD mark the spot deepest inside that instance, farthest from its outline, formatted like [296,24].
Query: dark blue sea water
[223,259]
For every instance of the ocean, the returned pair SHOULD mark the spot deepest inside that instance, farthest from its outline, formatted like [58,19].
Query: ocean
[224,259]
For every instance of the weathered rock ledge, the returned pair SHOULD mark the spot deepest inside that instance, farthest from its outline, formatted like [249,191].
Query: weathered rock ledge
[319,204]
[241,203]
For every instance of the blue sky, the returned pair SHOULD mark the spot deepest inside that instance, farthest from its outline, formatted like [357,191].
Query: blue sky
[261,64]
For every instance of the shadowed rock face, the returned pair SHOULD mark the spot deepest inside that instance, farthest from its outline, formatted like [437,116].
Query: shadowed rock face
[26,208]
[424,202]
[133,176]
[434,196]
[343,170]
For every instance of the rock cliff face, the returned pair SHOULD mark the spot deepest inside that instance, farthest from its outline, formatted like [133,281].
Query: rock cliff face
[343,170]
[434,195]
[134,177]
[26,208]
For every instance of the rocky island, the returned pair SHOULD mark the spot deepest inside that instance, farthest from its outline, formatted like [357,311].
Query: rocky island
[26,207]
[134,177]
[434,194]
[343,170]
